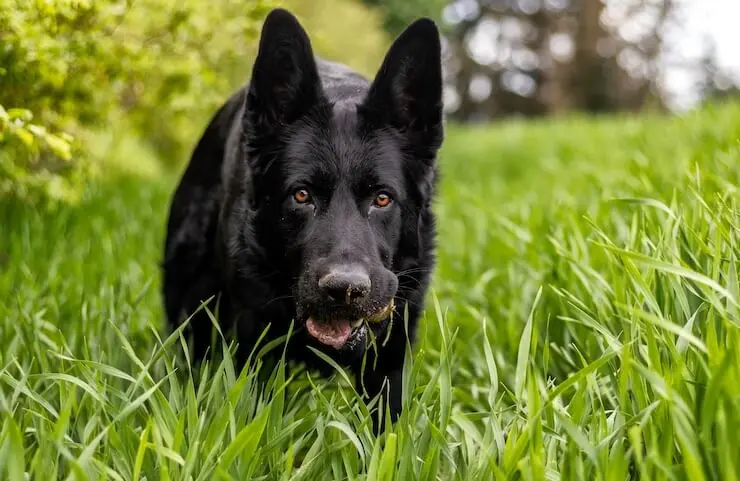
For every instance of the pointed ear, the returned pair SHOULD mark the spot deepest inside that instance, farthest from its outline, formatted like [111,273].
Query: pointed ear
[407,91]
[285,81]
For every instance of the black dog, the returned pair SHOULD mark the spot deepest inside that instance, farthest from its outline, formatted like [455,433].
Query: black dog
[308,199]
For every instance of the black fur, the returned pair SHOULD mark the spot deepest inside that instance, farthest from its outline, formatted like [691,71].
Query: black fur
[236,231]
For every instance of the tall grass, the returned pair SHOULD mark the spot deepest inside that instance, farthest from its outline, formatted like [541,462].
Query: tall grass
[584,325]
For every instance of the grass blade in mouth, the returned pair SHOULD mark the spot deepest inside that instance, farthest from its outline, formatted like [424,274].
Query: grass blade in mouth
[381,315]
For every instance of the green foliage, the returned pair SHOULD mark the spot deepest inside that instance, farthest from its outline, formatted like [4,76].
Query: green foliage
[35,162]
[398,14]
[81,65]
[157,60]
[585,326]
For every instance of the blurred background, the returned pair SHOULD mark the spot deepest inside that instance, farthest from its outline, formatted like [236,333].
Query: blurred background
[87,85]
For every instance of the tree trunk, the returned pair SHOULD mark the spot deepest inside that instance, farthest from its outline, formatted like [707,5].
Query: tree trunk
[589,83]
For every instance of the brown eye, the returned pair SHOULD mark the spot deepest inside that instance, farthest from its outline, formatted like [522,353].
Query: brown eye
[382,200]
[302,196]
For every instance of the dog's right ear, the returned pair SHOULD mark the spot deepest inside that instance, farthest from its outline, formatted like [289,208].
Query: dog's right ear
[285,82]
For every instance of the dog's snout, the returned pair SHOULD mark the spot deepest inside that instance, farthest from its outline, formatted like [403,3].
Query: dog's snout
[345,284]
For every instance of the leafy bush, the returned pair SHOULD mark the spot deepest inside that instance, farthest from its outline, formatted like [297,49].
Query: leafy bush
[80,65]
[34,161]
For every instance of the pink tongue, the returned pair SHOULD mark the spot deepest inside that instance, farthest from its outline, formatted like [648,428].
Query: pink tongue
[334,334]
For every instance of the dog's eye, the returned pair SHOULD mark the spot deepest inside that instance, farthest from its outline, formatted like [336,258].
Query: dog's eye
[301,196]
[382,200]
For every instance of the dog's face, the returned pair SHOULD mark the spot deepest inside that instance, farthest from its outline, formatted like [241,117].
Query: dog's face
[340,175]
[340,202]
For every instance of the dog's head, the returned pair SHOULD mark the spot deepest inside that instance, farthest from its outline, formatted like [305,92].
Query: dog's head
[342,172]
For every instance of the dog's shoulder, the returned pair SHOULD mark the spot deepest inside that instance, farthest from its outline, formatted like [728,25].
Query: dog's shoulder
[196,200]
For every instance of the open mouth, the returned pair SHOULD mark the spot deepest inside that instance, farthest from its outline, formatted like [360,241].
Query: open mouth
[336,332]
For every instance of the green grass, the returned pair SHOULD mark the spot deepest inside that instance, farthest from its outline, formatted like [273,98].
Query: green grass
[584,325]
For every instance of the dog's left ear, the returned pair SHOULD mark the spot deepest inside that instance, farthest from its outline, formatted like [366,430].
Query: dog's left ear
[407,91]
[285,82]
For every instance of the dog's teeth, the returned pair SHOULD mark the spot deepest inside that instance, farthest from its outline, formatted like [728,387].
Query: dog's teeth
[357,323]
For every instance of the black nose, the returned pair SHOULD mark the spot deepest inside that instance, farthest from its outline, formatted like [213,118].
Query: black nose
[345,284]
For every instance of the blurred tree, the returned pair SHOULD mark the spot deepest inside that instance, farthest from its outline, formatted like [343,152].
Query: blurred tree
[714,83]
[589,74]
[536,57]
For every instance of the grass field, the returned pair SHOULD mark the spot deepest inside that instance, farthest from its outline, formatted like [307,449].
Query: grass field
[584,326]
